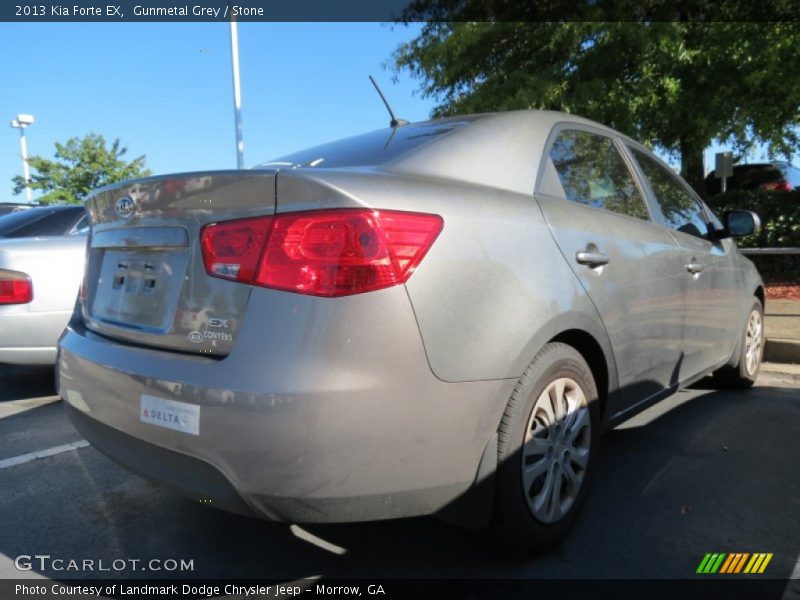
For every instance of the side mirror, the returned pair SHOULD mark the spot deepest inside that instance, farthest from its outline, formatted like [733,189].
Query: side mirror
[739,223]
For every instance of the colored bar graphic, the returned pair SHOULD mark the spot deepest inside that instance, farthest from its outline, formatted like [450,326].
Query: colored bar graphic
[717,564]
[753,564]
[728,563]
[734,562]
[741,562]
[703,563]
[710,564]
[765,563]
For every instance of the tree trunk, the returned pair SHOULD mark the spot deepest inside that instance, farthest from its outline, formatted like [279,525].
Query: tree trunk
[692,169]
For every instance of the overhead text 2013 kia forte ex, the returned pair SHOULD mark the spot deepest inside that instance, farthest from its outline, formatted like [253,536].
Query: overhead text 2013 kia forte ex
[435,318]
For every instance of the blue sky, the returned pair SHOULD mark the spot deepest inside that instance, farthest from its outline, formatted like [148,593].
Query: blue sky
[165,88]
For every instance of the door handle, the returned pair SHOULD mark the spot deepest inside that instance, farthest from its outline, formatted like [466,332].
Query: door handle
[694,268]
[591,258]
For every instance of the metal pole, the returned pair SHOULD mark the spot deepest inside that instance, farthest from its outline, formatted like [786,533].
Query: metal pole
[23,143]
[237,96]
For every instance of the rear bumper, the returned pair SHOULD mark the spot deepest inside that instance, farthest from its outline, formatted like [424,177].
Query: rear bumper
[188,476]
[350,425]
[30,338]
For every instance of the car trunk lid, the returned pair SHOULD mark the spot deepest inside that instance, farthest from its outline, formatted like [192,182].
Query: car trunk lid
[145,279]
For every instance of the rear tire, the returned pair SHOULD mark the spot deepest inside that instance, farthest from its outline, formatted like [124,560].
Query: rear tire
[751,350]
[547,442]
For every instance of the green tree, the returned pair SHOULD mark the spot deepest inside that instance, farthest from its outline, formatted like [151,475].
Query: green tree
[80,166]
[673,84]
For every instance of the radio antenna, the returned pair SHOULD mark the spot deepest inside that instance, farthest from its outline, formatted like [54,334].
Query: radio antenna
[395,122]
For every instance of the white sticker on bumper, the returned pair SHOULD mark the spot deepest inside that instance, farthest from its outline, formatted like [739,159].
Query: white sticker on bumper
[171,414]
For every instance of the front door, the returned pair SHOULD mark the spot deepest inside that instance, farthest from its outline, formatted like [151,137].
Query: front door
[711,296]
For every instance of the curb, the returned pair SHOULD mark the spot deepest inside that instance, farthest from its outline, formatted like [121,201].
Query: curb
[782,351]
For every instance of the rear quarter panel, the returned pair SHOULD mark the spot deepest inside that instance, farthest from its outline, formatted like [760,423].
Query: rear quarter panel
[492,290]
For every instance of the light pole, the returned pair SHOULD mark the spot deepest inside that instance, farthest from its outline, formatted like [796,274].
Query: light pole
[237,95]
[21,123]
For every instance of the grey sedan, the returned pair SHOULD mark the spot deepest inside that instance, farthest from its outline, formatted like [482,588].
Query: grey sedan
[41,264]
[436,318]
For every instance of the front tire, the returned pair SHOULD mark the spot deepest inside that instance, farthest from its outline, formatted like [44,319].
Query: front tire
[751,350]
[547,444]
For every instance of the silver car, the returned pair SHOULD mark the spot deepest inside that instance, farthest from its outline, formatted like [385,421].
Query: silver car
[42,253]
[437,318]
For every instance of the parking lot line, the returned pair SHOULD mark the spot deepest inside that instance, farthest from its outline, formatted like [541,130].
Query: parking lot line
[309,537]
[23,458]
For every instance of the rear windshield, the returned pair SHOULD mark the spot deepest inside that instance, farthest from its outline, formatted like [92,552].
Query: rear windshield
[40,222]
[370,149]
[9,208]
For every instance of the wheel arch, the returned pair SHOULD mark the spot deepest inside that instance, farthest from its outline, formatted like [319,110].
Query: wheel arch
[592,352]
[759,293]
[586,333]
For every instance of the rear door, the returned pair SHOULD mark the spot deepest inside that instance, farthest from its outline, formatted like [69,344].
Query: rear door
[630,267]
[710,275]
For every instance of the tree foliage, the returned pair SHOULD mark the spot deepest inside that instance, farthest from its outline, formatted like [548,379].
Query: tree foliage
[673,84]
[80,166]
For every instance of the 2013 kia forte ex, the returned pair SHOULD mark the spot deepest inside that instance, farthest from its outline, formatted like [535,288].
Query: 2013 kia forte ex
[435,318]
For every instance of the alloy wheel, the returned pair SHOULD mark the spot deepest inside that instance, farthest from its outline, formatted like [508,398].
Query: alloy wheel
[753,341]
[555,452]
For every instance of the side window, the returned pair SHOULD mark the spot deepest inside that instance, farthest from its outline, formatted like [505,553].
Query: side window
[592,172]
[81,227]
[680,210]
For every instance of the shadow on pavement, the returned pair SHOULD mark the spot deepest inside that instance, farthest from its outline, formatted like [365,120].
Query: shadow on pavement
[23,382]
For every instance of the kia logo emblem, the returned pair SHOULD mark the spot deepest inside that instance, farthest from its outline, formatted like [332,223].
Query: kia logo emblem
[195,337]
[125,206]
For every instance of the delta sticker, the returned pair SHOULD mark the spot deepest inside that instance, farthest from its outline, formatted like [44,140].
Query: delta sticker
[179,416]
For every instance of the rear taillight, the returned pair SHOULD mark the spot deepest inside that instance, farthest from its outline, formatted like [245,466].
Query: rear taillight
[322,253]
[231,249]
[15,288]
[776,186]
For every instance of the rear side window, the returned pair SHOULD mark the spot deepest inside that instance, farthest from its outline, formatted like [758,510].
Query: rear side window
[592,172]
[679,209]
[81,227]
[40,222]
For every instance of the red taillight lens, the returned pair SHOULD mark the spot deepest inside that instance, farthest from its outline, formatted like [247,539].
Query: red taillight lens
[776,186]
[232,249]
[322,253]
[15,288]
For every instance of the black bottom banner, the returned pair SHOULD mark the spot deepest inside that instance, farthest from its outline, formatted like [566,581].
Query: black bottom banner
[396,589]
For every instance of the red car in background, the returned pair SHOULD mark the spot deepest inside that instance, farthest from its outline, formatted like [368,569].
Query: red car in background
[773,177]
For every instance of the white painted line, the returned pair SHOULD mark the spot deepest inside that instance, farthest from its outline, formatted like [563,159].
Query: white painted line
[309,537]
[23,458]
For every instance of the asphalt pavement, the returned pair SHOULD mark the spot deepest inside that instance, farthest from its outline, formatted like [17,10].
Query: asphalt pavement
[704,471]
